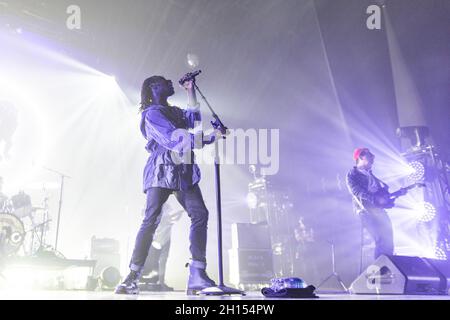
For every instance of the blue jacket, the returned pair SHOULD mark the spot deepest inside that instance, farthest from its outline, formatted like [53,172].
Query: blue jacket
[166,130]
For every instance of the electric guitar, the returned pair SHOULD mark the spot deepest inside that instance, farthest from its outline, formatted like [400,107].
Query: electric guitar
[391,197]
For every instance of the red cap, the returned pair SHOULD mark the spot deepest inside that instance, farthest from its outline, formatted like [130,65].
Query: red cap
[358,152]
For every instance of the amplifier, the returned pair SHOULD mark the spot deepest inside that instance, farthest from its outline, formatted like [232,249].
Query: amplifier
[250,236]
[106,252]
[249,266]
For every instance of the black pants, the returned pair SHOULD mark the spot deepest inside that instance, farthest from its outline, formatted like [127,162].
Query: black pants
[192,201]
[379,226]
[157,261]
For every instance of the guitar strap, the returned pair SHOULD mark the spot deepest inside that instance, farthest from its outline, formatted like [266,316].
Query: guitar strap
[360,205]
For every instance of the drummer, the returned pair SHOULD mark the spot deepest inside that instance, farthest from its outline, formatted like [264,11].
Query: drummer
[22,204]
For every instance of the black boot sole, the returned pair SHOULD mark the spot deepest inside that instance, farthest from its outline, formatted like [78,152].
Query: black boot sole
[193,292]
[125,291]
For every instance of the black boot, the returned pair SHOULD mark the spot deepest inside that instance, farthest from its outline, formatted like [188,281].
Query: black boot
[198,279]
[152,278]
[165,287]
[130,284]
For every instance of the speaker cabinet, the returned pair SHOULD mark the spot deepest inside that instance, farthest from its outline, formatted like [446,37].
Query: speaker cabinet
[398,275]
[106,252]
[250,236]
[251,256]
[250,266]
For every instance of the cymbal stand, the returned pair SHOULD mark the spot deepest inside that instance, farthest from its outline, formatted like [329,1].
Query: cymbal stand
[333,274]
[43,225]
[63,177]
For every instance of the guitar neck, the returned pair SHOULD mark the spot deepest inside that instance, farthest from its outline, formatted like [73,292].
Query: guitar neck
[398,193]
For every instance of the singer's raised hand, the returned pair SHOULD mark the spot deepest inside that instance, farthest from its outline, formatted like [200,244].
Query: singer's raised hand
[188,85]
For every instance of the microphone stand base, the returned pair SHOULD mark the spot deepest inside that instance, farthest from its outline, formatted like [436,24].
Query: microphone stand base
[220,291]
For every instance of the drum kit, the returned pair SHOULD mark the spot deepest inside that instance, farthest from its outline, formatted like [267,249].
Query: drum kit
[22,225]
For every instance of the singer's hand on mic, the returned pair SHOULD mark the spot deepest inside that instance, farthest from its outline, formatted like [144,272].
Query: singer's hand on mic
[217,134]
[188,85]
[213,136]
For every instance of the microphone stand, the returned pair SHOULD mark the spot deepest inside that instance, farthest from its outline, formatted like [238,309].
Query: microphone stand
[63,176]
[221,289]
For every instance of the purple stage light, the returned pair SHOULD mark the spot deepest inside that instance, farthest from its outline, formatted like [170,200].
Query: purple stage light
[418,171]
[440,254]
[427,212]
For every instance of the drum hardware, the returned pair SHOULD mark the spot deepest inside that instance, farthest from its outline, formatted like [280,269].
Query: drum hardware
[24,226]
[7,206]
[17,213]
[61,189]
[12,234]
[38,231]
[16,238]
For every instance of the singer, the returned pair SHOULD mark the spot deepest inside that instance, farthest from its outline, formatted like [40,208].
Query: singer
[164,176]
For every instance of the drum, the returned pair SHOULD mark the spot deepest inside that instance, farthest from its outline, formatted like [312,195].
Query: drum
[12,234]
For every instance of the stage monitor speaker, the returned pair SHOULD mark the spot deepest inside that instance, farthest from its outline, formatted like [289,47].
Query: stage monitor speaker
[398,275]
[443,268]
[250,236]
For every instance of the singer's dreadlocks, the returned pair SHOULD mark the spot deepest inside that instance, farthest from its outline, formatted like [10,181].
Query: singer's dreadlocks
[147,93]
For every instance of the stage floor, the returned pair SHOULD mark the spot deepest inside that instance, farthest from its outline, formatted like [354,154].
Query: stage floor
[180,295]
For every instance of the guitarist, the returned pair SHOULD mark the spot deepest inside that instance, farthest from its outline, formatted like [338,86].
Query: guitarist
[369,199]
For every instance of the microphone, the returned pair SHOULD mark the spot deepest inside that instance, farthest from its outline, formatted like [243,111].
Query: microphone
[189,76]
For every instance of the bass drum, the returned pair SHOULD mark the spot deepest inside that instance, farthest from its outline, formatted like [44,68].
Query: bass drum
[12,234]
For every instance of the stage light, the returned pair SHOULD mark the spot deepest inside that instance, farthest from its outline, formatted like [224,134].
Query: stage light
[252,200]
[192,60]
[426,212]
[110,278]
[418,171]
[440,254]
[112,79]
[107,83]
